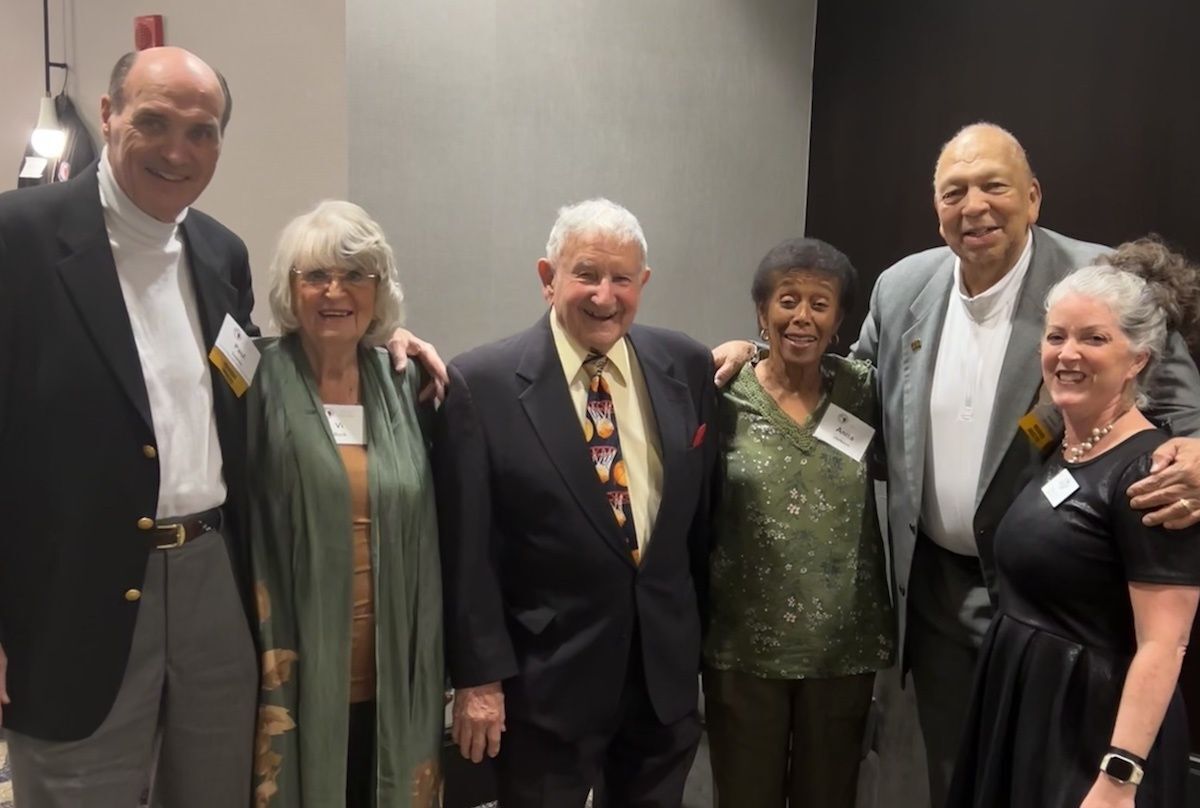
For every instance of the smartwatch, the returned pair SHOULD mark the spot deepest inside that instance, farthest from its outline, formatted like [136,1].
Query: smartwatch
[1124,767]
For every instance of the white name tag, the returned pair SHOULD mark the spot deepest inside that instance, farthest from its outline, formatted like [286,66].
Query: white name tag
[1061,486]
[347,424]
[235,356]
[844,432]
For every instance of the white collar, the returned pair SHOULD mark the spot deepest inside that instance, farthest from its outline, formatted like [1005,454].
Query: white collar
[119,208]
[996,300]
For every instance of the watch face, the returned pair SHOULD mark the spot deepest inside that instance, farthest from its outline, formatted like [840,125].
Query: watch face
[1120,768]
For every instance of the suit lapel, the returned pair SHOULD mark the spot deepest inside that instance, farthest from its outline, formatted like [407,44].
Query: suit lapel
[1020,376]
[918,357]
[214,296]
[671,404]
[547,403]
[214,299]
[90,277]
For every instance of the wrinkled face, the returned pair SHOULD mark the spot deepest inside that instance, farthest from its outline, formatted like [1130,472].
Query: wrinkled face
[801,316]
[1087,361]
[164,143]
[595,288]
[334,307]
[986,201]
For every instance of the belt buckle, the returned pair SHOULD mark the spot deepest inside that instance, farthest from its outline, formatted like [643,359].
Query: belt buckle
[180,537]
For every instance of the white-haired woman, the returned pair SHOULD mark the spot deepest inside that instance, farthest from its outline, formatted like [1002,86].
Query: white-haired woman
[343,538]
[1076,699]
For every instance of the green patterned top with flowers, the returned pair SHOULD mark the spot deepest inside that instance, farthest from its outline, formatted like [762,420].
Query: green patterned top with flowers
[799,577]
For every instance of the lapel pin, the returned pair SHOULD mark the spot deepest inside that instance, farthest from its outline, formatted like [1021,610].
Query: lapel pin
[916,345]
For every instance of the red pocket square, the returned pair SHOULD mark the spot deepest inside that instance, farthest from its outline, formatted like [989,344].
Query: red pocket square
[698,438]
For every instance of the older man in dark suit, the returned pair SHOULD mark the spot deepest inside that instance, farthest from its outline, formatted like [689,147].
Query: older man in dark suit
[572,463]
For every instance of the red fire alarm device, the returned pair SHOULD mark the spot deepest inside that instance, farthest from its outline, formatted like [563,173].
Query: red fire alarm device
[147,31]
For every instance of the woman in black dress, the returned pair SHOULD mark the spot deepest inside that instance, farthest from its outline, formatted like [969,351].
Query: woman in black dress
[1076,696]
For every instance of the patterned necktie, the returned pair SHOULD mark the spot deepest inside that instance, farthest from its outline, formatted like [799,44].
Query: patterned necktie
[600,431]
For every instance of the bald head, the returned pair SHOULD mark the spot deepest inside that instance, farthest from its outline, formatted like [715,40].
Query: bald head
[163,129]
[986,199]
[984,139]
[166,58]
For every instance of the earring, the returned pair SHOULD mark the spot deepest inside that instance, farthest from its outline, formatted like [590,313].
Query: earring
[835,339]
[762,334]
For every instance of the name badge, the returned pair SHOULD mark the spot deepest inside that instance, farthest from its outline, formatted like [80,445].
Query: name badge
[844,432]
[347,424]
[1035,430]
[1061,486]
[235,356]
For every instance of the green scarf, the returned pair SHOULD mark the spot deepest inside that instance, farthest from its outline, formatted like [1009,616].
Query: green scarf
[301,549]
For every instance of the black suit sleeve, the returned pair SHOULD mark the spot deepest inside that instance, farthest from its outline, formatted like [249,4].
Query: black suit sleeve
[700,535]
[239,276]
[8,344]
[479,649]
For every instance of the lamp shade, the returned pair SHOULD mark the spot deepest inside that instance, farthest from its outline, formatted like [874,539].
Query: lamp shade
[48,139]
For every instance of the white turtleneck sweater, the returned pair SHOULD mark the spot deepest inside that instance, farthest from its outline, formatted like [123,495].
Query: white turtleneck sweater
[965,377]
[156,282]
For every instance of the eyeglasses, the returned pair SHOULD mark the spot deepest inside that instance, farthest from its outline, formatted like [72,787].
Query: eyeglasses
[322,278]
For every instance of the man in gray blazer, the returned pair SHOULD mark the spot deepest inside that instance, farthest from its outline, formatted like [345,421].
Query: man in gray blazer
[954,333]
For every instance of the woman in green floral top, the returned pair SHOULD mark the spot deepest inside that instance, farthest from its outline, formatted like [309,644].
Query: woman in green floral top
[801,616]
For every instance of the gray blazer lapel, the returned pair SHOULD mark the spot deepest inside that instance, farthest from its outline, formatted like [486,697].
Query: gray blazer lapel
[1020,374]
[918,357]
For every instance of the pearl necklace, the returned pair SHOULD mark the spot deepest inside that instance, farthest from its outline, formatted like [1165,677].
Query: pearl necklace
[1075,453]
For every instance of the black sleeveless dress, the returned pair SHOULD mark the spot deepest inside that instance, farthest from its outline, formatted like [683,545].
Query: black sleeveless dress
[1054,661]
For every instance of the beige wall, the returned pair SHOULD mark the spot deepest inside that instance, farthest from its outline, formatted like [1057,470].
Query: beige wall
[285,62]
[467,122]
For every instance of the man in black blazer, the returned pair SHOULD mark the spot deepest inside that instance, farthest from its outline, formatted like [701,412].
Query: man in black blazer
[573,607]
[122,464]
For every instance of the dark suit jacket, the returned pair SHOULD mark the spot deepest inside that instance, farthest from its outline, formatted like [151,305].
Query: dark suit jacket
[74,418]
[539,588]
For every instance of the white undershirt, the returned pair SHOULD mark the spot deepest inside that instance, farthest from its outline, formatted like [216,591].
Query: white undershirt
[156,282]
[966,374]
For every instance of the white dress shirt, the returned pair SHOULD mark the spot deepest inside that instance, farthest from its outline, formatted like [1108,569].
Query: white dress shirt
[156,282]
[965,377]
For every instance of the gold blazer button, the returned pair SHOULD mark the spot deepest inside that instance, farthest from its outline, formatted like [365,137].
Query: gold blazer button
[145,523]
[149,451]
[132,595]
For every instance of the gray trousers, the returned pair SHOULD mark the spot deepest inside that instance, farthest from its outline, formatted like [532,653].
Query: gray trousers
[949,611]
[183,721]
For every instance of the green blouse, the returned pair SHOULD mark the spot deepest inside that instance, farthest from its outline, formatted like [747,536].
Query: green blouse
[799,578]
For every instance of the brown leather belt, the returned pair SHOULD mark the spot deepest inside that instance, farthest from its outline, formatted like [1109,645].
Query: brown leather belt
[177,531]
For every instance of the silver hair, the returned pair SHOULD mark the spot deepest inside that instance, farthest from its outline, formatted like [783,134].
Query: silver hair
[1133,301]
[594,217]
[336,234]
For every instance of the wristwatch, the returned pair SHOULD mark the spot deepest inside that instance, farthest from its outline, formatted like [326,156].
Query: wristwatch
[1124,767]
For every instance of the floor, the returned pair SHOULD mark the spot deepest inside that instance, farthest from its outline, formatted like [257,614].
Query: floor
[895,773]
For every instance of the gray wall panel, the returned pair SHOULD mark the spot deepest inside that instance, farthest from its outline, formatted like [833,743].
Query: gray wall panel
[471,122]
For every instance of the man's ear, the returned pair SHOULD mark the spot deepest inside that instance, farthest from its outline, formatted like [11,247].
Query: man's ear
[545,272]
[106,111]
